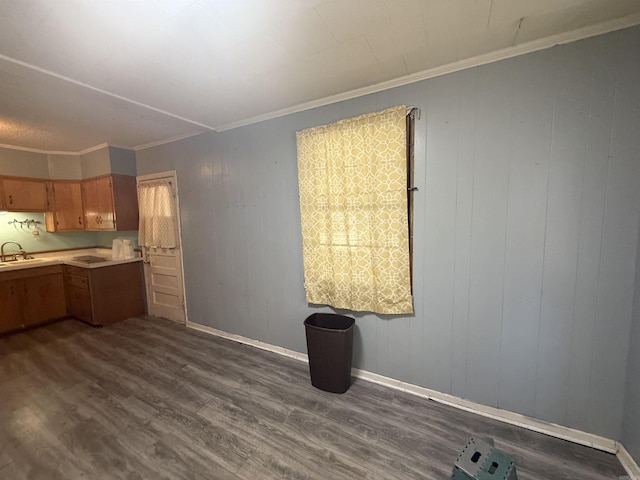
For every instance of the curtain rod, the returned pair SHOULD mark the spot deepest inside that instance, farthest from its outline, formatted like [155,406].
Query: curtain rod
[412,108]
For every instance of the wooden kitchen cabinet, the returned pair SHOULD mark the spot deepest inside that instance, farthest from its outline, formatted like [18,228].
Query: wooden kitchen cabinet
[31,296]
[110,203]
[106,294]
[44,298]
[25,194]
[11,308]
[66,212]
[2,206]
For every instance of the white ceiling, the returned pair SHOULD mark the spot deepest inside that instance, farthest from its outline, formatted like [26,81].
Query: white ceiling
[130,73]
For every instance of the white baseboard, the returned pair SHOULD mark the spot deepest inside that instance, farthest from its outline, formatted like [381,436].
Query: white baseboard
[249,341]
[628,462]
[551,429]
[506,416]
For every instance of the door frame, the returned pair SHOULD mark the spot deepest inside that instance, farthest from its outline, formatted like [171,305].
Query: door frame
[173,177]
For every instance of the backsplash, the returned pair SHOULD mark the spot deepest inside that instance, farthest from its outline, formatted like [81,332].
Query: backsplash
[42,241]
[105,239]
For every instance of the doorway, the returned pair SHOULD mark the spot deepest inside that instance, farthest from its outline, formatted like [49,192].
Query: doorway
[160,241]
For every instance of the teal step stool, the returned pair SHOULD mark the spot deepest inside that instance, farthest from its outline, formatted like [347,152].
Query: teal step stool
[480,460]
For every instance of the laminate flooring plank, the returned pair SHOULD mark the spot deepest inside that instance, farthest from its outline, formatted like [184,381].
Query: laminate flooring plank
[147,398]
[277,446]
[370,453]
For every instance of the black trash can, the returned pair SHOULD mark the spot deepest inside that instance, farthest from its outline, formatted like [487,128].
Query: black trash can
[330,348]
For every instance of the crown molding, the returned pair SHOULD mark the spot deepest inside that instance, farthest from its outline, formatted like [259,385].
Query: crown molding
[37,150]
[61,152]
[491,57]
[510,52]
[102,91]
[92,149]
[168,140]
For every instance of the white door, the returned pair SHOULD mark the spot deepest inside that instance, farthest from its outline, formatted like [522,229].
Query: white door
[163,266]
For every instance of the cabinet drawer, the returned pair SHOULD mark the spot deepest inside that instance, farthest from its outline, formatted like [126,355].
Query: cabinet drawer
[77,281]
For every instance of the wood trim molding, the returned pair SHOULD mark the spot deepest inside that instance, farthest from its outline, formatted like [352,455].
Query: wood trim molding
[248,341]
[628,462]
[59,152]
[514,51]
[512,418]
[177,138]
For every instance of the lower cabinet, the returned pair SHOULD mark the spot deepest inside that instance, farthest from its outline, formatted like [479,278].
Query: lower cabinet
[98,296]
[31,296]
[104,295]
[11,306]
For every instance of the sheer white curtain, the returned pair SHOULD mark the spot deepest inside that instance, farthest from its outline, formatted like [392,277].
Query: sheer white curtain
[157,227]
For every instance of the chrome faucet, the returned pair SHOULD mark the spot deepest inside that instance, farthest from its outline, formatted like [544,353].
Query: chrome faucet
[3,257]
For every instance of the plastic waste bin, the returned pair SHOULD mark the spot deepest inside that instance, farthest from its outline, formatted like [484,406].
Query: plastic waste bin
[330,348]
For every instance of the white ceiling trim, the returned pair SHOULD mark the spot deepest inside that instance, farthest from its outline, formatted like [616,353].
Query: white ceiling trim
[60,152]
[50,152]
[513,51]
[104,92]
[529,47]
[165,141]
[93,149]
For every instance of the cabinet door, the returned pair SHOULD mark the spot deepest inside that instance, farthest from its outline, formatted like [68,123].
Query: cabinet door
[79,303]
[67,207]
[11,318]
[98,204]
[25,195]
[43,298]
[117,292]
[125,202]
[2,205]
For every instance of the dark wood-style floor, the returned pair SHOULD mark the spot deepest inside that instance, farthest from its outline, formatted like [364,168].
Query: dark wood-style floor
[148,399]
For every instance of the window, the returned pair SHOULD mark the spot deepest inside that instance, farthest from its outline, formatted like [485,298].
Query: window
[354,212]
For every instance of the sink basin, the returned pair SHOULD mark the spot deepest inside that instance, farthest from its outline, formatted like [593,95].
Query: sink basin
[22,261]
[29,262]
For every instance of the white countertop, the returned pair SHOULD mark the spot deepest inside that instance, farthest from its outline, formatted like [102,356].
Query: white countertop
[66,258]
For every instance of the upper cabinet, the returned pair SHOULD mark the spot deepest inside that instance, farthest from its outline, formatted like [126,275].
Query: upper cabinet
[25,195]
[66,206]
[110,203]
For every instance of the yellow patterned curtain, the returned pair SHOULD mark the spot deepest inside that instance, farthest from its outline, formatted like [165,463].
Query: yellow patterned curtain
[353,206]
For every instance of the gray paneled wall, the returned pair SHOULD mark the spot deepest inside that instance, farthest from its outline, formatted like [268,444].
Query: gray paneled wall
[95,163]
[631,423]
[526,227]
[122,161]
[23,164]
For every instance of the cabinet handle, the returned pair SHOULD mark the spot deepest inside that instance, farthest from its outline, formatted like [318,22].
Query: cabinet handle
[79,220]
[10,199]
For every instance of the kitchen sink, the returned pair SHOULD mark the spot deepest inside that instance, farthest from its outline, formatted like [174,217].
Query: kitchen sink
[25,262]
[21,261]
